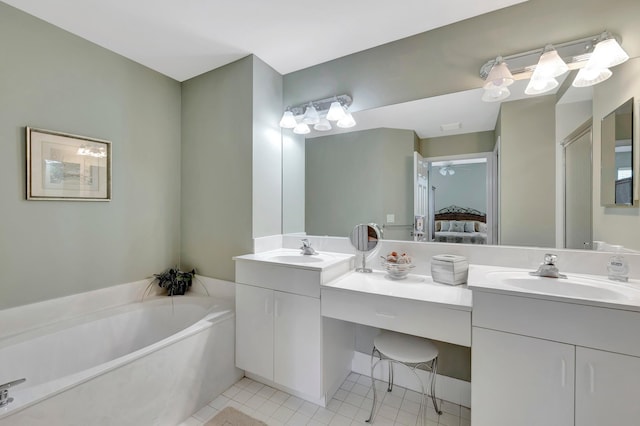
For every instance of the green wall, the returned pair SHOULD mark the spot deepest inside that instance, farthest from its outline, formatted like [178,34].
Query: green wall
[448,59]
[217,159]
[231,164]
[54,80]
[527,172]
[458,144]
[359,177]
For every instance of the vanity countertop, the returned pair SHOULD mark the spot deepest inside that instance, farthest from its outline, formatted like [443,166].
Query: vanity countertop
[414,287]
[294,258]
[579,289]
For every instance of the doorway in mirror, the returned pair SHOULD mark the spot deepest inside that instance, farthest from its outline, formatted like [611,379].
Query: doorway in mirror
[460,203]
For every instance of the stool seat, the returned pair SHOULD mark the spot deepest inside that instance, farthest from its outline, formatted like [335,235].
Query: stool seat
[405,348]
[412,352]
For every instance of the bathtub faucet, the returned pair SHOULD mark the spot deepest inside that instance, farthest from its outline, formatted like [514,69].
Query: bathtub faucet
[4,391]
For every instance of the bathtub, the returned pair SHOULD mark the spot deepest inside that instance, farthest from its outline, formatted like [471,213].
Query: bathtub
[147,363]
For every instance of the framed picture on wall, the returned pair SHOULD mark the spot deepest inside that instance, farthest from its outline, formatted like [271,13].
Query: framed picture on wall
[61,166]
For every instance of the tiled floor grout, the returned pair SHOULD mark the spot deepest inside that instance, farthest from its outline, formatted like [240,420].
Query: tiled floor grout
[350,406]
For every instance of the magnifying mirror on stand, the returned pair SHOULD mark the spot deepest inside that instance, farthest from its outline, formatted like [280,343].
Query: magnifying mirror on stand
[365,239]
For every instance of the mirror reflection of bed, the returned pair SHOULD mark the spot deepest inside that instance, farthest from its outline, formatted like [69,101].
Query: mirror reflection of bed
[461,199]
[455,224]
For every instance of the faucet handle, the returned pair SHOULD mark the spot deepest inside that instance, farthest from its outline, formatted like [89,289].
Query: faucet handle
[305,243]
[550,259]
[11,384]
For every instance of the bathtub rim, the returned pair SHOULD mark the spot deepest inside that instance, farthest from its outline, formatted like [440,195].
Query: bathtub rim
[220,310]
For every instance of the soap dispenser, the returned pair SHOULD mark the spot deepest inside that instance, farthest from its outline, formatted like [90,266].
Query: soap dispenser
[617,266]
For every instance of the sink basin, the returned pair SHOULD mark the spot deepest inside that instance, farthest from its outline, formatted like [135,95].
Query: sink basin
[572,287]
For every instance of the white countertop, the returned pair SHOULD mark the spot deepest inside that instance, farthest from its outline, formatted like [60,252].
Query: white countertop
[600,291]
[294,258]
[415,287]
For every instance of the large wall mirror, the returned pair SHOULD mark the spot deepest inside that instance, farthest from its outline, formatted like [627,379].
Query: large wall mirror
[617,157]
[367,173]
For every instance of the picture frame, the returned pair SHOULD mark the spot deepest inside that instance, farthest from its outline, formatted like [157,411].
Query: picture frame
[62,166]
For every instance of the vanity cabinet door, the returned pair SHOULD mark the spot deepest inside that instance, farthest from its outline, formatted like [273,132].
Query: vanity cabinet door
[254,330]
[607,388]
[521,380]
[297,343]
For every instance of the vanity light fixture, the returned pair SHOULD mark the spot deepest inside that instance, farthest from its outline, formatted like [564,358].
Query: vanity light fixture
[592,56]
[319,114]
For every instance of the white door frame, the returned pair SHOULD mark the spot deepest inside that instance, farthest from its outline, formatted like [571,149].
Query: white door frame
[491,184]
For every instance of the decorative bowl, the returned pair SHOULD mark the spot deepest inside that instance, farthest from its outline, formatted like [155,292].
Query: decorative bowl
[397,271]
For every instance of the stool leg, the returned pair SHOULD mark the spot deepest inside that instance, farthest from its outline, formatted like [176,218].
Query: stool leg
[390,383]
[373,385]
[434,370]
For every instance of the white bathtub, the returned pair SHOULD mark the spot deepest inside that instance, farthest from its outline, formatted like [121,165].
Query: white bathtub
[149,363]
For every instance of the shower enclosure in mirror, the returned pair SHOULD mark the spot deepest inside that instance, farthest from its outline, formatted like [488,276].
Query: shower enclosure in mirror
[617,157]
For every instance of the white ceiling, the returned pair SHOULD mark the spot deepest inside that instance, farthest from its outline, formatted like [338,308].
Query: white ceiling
[184,38]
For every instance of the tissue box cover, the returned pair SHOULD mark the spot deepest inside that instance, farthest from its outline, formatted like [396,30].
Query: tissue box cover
[449,269]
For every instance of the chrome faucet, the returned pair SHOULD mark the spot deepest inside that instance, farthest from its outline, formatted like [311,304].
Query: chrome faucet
[306,247]
[4,391]
[548,268]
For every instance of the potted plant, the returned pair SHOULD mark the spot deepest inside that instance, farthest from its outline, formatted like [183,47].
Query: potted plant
[175,281]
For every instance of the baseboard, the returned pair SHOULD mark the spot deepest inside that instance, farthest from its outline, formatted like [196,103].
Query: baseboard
[447,388]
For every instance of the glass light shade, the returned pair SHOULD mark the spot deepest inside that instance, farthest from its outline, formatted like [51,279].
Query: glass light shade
[301,129]
[499,77]
[311,115]
[336,112]
[589,76]
[443,171]
[323,125]
[347,121]
[538,86]
[608,53]
[549,66]
[496,95]
[288,121]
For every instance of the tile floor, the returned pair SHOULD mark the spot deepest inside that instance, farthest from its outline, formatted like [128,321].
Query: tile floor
[350,406]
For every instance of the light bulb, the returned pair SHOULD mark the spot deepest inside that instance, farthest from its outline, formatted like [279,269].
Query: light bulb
[336,112]
[346,122]
[301,129]
[499,76]
[311,115]
[550,65]
[323,125]
[496,95]
[589,76]
[538,86]
[288,121]
[608,53]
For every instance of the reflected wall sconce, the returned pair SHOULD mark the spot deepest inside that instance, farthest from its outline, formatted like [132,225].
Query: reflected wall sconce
[447,171]
[319,114]
[592,56]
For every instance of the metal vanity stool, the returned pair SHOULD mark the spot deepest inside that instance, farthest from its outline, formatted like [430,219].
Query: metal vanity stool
[412,352]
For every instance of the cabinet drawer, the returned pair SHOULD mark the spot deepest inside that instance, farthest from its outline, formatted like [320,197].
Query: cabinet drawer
[305,282]
[404,315]
[581,325]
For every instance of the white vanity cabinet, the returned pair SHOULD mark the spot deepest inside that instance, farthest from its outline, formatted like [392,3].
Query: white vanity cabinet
[518,380]
[540,362]
[278,337]
[607,388]
[281,338]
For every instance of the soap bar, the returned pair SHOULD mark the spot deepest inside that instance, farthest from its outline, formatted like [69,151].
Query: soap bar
[449,269]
